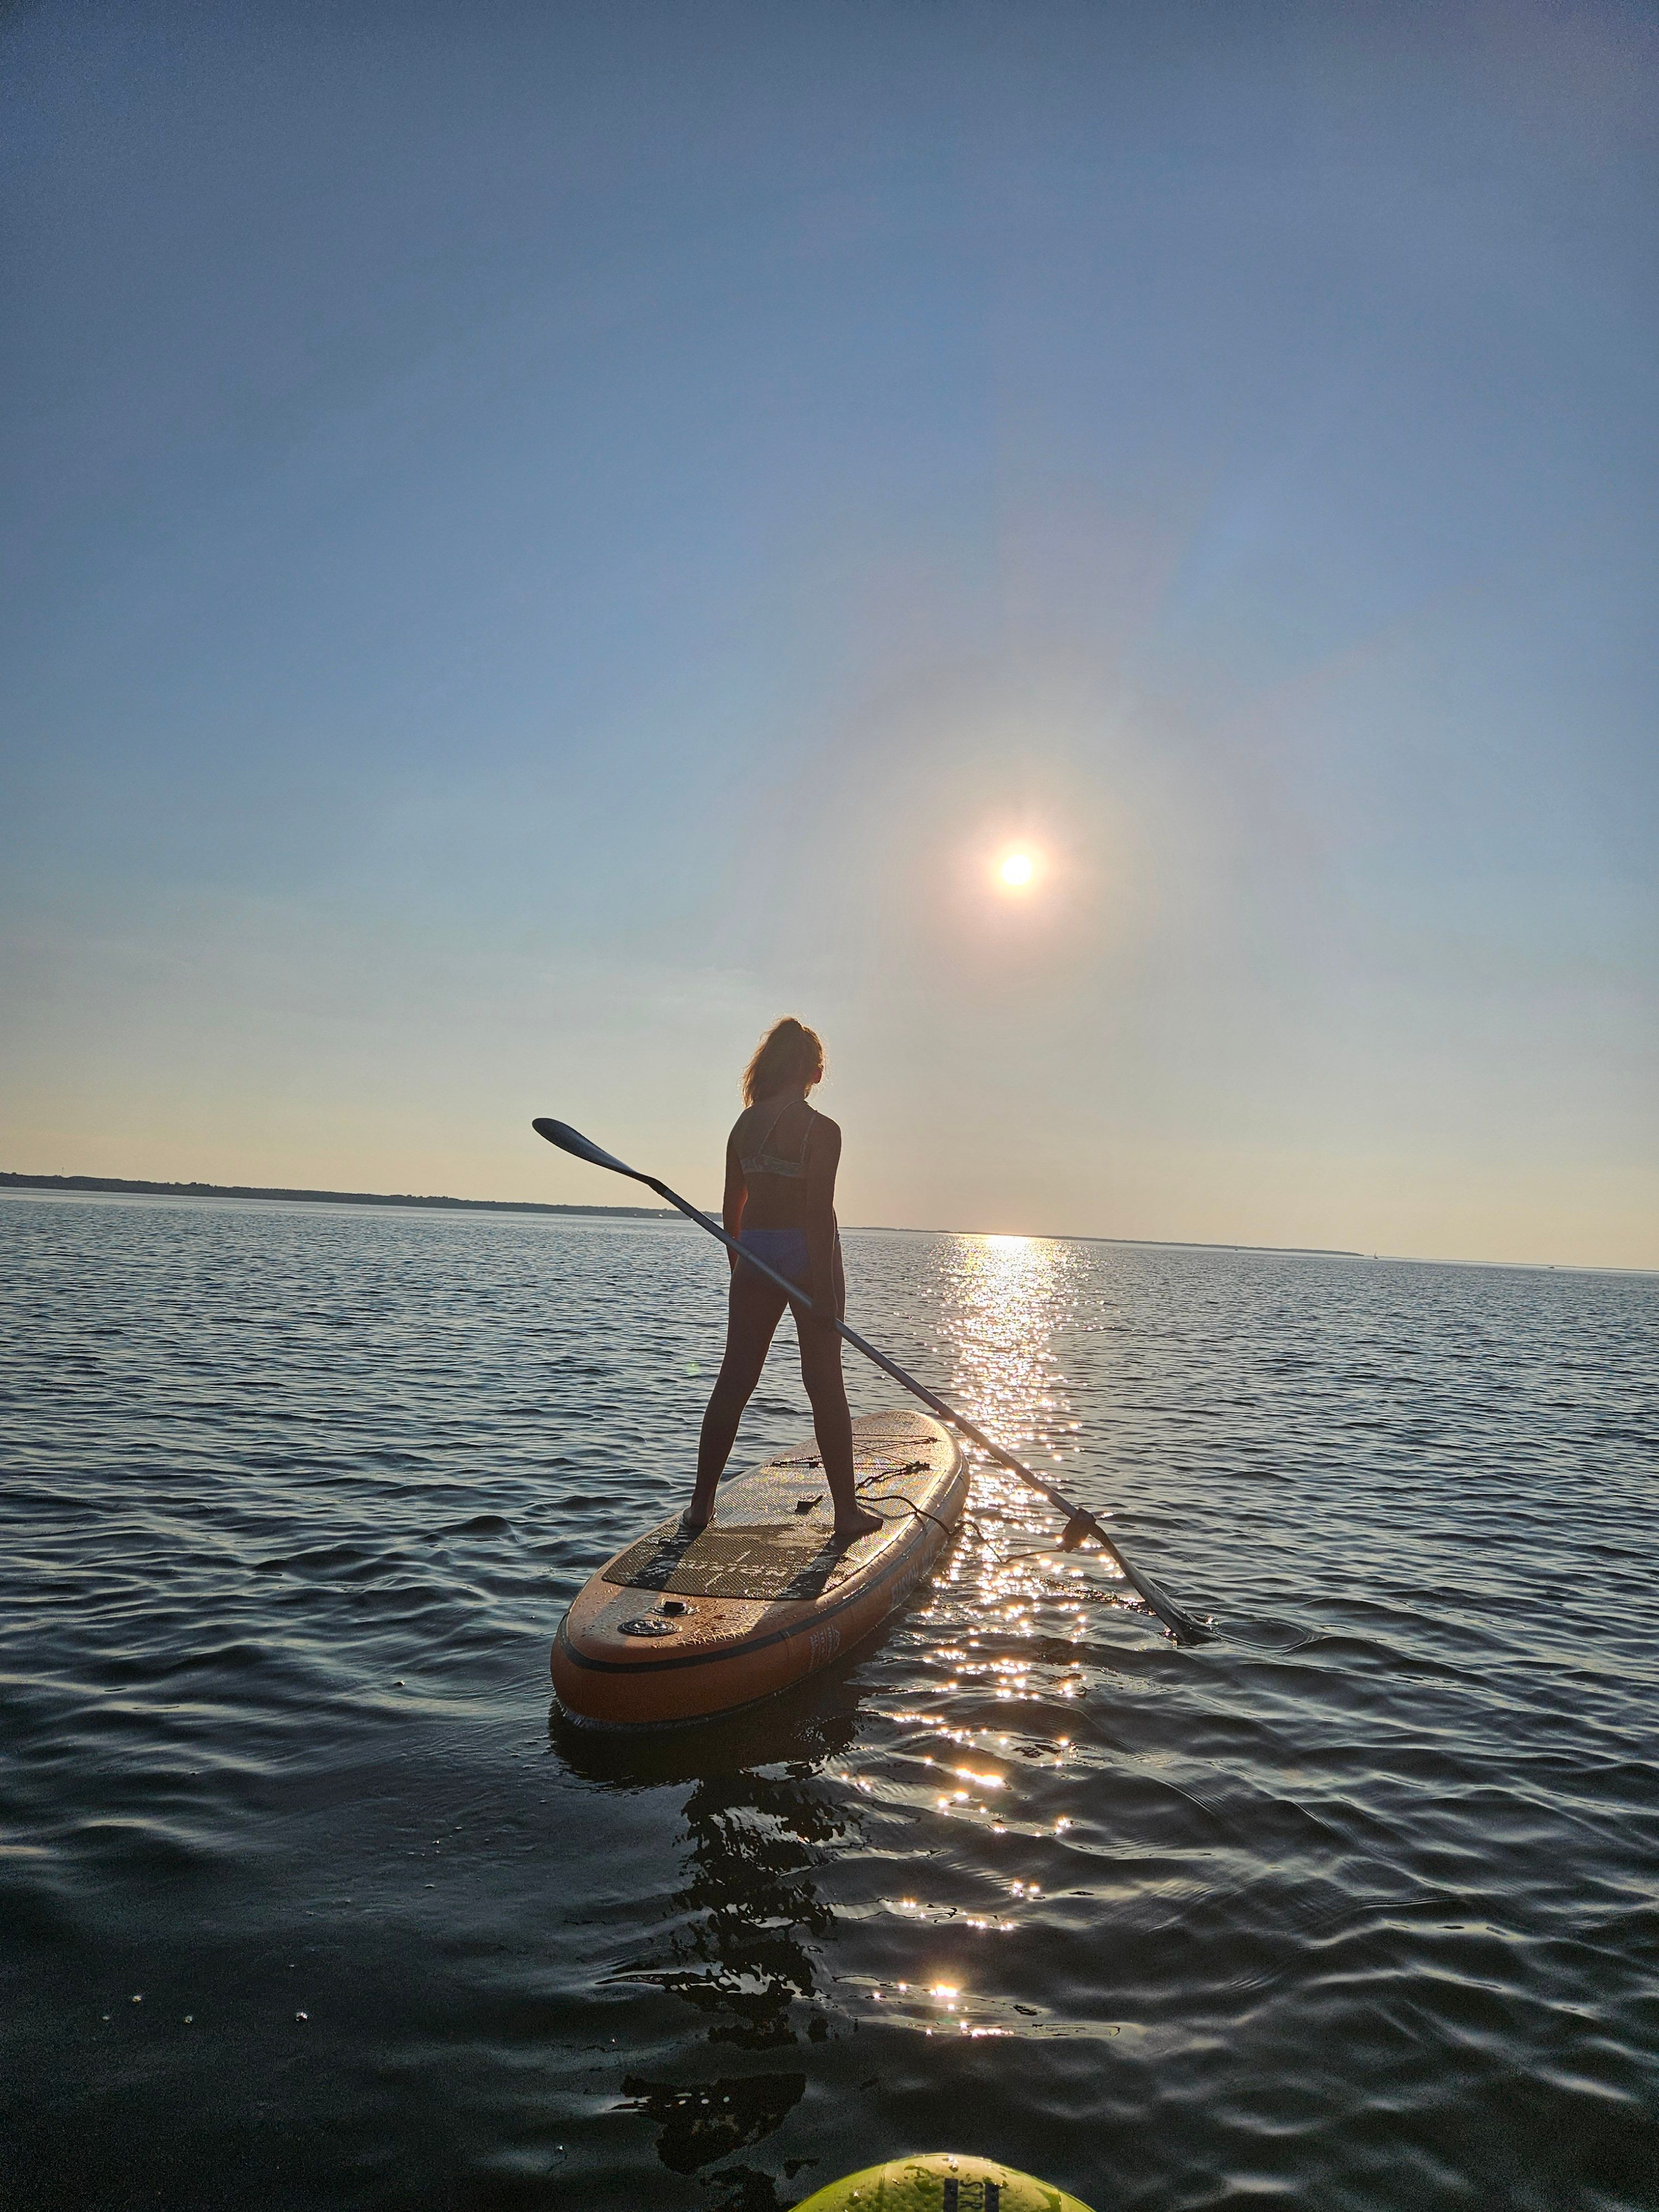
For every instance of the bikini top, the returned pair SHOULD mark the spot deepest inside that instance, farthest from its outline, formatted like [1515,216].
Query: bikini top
[762,1162]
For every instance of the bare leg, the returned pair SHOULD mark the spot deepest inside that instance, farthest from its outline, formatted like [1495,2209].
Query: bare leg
[752,1316]
[820,1370]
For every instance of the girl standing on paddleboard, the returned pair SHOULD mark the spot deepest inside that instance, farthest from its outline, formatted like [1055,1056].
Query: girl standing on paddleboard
[780,1204]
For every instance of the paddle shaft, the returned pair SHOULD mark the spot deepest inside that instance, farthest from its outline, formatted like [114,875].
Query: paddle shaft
[1180,1623]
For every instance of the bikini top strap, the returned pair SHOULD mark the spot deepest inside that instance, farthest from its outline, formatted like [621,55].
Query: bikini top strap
[806,1133]
[761,1142]
[765,1138]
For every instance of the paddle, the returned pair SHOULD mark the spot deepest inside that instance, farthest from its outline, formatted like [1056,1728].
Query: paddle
[1079,1522]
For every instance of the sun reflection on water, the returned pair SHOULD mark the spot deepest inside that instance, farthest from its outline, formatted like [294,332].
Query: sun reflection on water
[984,1760]
[1008,1297]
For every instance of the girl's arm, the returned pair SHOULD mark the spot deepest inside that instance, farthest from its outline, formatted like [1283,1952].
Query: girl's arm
[824,1157]
[736,1194]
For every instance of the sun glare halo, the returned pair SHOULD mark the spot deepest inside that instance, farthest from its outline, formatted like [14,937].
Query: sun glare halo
[1017,871]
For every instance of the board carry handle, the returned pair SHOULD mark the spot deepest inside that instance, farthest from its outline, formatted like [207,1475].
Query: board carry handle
[1185,1627]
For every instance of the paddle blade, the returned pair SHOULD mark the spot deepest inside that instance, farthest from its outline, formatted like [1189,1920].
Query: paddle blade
[572,1140]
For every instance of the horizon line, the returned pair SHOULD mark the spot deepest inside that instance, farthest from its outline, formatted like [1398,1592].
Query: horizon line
[11,1179]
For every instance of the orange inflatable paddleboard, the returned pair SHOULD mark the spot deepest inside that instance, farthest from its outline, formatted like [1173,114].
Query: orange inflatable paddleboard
[679,1626]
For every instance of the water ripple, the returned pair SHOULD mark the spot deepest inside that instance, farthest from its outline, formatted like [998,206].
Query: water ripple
[310,1900]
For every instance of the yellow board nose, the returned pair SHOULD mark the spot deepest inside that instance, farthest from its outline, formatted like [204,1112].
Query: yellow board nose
[941,2181]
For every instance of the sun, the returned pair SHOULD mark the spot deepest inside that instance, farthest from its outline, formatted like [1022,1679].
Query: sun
[1017,870]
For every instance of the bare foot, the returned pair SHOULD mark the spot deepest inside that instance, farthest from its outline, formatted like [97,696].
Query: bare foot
[695,1521]
[859,1524]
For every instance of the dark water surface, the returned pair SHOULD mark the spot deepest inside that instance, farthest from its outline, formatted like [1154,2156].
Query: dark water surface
[309,1900]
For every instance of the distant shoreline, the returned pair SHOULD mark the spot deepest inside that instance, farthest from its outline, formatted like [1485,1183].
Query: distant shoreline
[119,1185]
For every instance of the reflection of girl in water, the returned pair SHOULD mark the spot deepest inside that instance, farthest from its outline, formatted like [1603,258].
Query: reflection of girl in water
[780,1162]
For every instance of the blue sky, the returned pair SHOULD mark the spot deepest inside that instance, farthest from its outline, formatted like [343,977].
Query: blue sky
[535,539]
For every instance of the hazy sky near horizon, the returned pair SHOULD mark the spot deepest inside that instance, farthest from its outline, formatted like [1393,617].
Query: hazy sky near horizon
[536,539]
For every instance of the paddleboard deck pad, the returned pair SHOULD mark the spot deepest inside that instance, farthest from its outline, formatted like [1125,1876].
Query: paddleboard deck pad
[941,2181]
[679,1626]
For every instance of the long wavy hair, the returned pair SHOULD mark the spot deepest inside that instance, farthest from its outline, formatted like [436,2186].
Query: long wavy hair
[788,1054]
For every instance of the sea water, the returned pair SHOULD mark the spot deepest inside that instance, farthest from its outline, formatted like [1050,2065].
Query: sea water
[309,1898]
